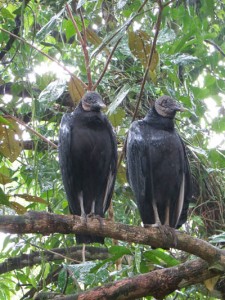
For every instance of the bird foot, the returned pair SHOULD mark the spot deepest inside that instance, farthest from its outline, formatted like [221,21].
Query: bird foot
[91,215]
[155,225]
[83,218]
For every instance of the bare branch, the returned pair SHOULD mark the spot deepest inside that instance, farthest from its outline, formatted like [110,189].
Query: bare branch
[83,42]
[32,130]
[43,53]
[106,65]
[158,23]
[215,46]
[73,254]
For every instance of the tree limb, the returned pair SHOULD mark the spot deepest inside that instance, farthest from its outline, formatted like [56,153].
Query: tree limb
[164,237]
[158,283]
[73,254]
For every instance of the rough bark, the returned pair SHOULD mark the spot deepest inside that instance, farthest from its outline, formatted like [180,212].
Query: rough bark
[164,237]
[158,283]
[72,254]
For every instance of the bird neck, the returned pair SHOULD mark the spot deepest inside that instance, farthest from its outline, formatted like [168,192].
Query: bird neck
[158,121]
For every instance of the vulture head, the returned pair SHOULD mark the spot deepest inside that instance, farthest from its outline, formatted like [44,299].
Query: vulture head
[167,107]
[92,101]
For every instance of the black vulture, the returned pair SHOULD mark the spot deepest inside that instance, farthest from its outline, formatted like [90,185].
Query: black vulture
[157,166]
[88,160]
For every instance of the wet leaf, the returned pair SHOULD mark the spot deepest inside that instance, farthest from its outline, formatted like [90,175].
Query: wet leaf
[76,89]
[183,59]
[47,29]
[53,91]
[166,35]
[119,98]
[10,145]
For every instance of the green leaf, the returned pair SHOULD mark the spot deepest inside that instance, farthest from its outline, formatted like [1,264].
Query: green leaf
[158,256]
[6,13]
[45,30]
[138,256]
[121,4]
[53,91]
[166,35]
[119,98]
[117,117]
[183,59]
[4,199]
[217,157]
[119,251]
[218,124]
[4,121]
[80,3]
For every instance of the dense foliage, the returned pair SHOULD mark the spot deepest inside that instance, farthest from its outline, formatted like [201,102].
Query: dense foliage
[37,61]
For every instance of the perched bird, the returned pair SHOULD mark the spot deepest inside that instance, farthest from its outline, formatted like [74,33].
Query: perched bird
[88,158]
[157,166]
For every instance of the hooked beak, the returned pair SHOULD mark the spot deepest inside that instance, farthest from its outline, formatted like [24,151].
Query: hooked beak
[179,107]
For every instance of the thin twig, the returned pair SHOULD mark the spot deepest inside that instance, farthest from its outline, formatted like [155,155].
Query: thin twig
[43,53]
[107,64]
[114,48]
[32,130]
[215,46]
[83,42]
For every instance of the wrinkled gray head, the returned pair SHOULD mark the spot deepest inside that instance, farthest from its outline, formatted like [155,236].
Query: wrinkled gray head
[167,107]
[92,101]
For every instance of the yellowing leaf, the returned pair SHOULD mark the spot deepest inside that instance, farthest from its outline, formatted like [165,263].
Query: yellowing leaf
[153,76]
[4,179]
[210,283]
[20,209]
[10,143]
[95,39]
[140,47]
[31,198]
[76,89]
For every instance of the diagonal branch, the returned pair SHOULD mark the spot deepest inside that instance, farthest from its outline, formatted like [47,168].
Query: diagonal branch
[158,283]
[158,23]
[43,53]
[31,130]
[83,42]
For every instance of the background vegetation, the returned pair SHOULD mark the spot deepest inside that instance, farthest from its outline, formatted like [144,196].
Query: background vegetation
[40,49]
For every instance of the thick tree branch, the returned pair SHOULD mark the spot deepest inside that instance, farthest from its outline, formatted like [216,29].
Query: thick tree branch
[158,283]
[164,237]
[73,254]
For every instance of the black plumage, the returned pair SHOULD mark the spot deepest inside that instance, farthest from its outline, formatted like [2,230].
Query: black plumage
[157,166]
[88,158]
